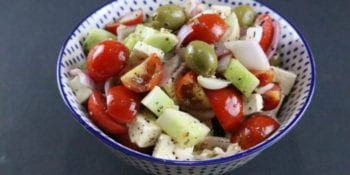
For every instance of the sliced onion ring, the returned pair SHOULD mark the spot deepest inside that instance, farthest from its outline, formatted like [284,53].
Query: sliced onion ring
[223,63]
[182,34]
[221,50]
[83,77]
[212,83]
[264,89]
[275,39]
[123,31]
[169,68]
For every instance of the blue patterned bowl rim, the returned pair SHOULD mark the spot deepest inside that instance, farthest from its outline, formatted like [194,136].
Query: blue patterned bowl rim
[243,154]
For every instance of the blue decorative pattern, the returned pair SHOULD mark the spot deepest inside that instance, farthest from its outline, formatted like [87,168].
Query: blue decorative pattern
[296,57]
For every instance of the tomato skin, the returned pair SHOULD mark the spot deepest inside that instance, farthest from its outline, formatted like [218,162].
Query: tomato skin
[147,77]
[135,18]
[255,130]
[106,59]
[112,27]
[122,104]
[97,111]
[208,28]
[227,104]
[265,21]
[272,98]
[190,94]
[265,77]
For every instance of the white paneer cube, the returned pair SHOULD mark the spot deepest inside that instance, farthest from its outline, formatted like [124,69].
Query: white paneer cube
[223,10]
[253,104]
[164,148]
[167,149]
[82,93]
[143,133]
[285,79]
[184,153]
[144,49]
[254,33]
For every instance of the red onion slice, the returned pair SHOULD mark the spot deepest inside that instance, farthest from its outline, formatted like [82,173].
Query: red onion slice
[191,7]
[202,115]
[182,35]
[83,77]
[169,68]
[249,53]
[223,63]
[275,39]
[221,50]
[123,31]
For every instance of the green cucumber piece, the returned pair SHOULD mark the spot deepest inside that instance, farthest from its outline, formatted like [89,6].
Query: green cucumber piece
[163,41]
[140,34]
[144,31]
[131,41]
[241,78]
[96,36]
[157,101]
[183,128]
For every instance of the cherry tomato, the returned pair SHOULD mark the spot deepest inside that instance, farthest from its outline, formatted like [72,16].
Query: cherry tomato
[106,59]
[272,98]
[190,94]
[122,104]
[265,21]
[228,107]
[208,28]
[133,18]
[144,76]
[265,77]
[255,130]
[97,110]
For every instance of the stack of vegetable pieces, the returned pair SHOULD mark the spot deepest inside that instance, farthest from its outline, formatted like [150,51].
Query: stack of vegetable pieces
[208,91]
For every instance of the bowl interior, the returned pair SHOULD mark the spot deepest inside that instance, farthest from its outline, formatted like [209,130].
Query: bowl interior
[296,57]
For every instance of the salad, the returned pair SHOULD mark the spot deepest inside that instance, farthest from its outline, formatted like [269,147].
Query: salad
[188,83]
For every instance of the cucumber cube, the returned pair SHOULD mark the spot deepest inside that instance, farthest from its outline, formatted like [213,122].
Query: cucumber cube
[241,78]
[157,101]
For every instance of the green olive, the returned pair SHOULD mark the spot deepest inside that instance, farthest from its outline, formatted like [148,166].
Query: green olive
[170,16]
[246,15]
[201,58]
[152,23]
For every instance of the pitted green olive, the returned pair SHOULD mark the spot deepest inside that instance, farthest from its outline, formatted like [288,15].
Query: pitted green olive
[201,58]
[246,15]
[170,16]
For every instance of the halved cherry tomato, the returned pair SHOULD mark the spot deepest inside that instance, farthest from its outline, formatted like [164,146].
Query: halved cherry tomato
[130,19]
[265,21]
[106,59]
[228,107]
[272,97]
[122,104]
[265,77]
[97,110]
[208,28]
[145,76]
[190,94]
[255,130]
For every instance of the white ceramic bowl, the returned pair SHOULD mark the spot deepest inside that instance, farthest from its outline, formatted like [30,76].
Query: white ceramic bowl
[296,56]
